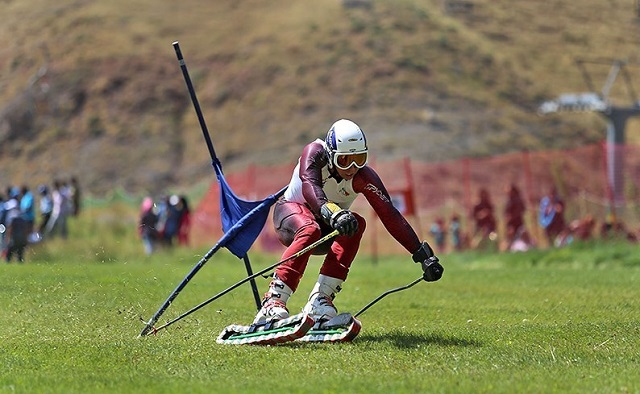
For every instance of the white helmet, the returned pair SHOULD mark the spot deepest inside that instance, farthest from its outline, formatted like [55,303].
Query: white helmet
[346,145]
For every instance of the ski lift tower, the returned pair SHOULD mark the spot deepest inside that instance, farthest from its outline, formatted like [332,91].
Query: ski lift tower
[615,115]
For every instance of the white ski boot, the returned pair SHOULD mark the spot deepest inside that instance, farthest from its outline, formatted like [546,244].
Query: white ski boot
[274,303]
[320,305]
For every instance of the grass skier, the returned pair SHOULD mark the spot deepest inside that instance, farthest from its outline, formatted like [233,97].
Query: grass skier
[328,177]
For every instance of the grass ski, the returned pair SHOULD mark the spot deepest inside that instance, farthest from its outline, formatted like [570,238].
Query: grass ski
[342,328]
[270,333]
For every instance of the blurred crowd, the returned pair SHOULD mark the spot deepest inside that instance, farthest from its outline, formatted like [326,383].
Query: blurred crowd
[164,223]
[28,216]
[31,216]
[556,230]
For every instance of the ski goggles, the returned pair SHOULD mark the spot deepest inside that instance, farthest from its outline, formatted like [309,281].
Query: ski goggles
[344,161]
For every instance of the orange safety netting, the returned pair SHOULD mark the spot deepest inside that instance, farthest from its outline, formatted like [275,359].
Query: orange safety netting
[599,180]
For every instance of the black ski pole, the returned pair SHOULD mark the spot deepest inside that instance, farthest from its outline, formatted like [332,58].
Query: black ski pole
[386,293]
[248,278]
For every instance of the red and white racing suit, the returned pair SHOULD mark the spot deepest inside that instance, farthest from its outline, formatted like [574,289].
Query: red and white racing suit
[298,222]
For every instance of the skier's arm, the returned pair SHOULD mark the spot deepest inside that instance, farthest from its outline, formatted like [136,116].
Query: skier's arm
[369,184]
[312,160]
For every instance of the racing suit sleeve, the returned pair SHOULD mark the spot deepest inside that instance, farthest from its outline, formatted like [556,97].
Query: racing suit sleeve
[368,183]
[312,160]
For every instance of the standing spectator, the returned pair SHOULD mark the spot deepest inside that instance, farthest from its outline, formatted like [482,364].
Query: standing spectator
[551,216]
[75,196]
[16,228]
[514,217]
[456,232]
[28,208]
[46,207]
[484,219]
[172,223]
[185,222]
[439,233]
[162,213]
[67,196]
[57,224]
[147,225]
[3,228]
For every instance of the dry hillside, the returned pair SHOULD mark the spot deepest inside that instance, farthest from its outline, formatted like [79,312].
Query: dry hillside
[92,88]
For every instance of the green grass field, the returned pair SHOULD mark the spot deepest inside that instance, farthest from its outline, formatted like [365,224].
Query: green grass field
[547,321]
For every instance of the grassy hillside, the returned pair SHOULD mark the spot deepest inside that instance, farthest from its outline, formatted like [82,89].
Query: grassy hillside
[94,89]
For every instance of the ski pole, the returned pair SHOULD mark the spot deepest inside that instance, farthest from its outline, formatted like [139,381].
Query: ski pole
[386,293]
[229,289]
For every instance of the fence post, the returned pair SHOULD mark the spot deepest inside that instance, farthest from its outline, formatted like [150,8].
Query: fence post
[528,178]
[466,180]
[414,206]
[607,177]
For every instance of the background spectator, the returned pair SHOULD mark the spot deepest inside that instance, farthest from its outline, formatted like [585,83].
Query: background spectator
[172,221]
[75,196]
[551,217]
[147,225]
[46,207]
[185,222]
[3,228]
[457,240]
[485,221]
[439,233]
[28,208]
[514,219]
[16,236]
[57,224]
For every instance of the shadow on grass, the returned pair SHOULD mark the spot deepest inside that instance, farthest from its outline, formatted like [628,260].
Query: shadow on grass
[407,340]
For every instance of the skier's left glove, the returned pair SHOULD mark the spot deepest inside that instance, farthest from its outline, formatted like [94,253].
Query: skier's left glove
[339,219]
[431,267]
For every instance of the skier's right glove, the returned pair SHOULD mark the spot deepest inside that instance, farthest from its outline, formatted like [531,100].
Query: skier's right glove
[431,267]
[339,219]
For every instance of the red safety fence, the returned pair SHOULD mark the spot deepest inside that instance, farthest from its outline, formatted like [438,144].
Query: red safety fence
[599,181]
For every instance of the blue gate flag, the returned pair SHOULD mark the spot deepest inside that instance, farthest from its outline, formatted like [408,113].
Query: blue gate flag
[242,221]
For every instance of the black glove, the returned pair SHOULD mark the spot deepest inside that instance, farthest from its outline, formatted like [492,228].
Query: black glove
[432,270]
[345,223]
[339,219]
[431,267]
